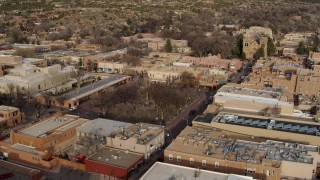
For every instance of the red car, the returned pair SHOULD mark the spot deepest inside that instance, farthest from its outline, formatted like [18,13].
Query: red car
[6,175]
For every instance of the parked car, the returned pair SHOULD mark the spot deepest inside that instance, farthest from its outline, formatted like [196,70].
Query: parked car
[6,175]
[73,108]
[3,157]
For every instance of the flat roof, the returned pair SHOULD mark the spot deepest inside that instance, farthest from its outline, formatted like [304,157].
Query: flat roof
[110,54]
[207,118]
[26,60]
[47,125]
[165,171]
[220,144]
[96,86]
[8,108]
[115,157]
[270,93]
[72,124]
[28,149]
[271,124]
[143,132]
[102,127]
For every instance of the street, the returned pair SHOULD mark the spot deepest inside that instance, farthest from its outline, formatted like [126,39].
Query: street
[238,78]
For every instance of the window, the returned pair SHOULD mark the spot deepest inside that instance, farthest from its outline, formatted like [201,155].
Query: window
[170,157]
[216,164]
[191,161]
[204,162]
[178,158]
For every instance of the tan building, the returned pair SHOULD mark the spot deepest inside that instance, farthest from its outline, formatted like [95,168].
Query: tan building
[230,93]
[141,138]
[36,144]
[179,46]
[91,62]
[111,67]
[54,134]
[74,97]
[32,79]
[251,44]
[171,74]
[10,58]
[8,62]
[35,61]
[258,30]
[279,128]
[227,152]
[93,134]
[314,55]
[288,51]
[89,47]
[10,116]
[36,48]
[164,56]
[294,38]
[215,61]
[289,75]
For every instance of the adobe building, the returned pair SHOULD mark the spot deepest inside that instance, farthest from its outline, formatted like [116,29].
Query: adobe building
[91,62]
[216,61]
[227,152]
[76,96]
[32,79]
[140,138]
[114,163]
[251,44]
[8,62]
[37,143]
[10,116]
[279,128]
[179,46]
[89,47]
[93,134]
[289,76]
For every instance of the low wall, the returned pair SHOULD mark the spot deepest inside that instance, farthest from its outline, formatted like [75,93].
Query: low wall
[64,162]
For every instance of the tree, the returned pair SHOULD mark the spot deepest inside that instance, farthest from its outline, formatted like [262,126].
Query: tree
[187,79]
[259,53]
[316,44]
[17,36]
[238,51]
[168,46]
[78,74]
[302,49]
[165,97]
[103,100]
[271,48]
[26,53]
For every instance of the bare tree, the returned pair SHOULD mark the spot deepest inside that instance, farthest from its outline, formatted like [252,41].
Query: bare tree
[104,100]
[78,74]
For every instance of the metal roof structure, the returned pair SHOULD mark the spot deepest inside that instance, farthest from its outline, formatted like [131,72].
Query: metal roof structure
[270,124]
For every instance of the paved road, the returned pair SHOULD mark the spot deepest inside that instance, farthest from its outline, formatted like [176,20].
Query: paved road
[238,77]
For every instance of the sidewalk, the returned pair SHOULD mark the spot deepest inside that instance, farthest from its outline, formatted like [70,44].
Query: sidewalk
[53,170]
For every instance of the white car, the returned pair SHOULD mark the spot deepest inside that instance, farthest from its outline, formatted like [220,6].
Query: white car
[73,108]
